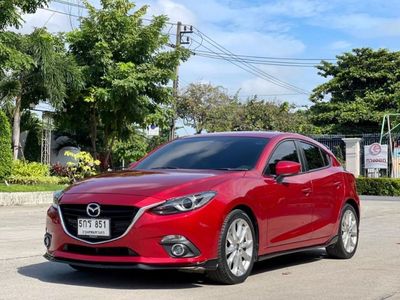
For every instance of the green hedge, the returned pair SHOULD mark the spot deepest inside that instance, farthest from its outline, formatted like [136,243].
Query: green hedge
[378,186]
[26,168]
[24,172]
[31,180]
[5,146]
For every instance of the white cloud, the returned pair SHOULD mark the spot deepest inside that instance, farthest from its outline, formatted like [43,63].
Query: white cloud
[363,25]
[174,10]
[54,22]
[297,8]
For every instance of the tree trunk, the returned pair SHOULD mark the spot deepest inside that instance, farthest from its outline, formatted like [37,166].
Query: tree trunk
[93,129]
[16,126]
[109,149]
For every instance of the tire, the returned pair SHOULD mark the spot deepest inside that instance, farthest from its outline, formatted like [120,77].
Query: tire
[348,235]
[236,266]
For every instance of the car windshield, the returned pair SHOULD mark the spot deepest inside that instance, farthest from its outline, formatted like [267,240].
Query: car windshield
[230,153]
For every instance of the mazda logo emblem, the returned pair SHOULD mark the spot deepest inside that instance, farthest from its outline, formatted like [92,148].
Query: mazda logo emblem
[93,210]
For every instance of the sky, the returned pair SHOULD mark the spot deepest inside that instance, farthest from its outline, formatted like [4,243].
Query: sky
[280,28]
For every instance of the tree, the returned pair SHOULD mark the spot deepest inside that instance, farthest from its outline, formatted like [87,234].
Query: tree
[127,68]
[131,149]
[267,115]
[51,72]
[10,15]
[204,106]
[5,146]
[363,85]
[10,11]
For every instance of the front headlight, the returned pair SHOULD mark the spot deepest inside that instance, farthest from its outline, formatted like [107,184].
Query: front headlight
[57,197]
[184,204]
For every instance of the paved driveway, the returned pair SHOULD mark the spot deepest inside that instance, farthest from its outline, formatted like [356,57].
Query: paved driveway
[373,273]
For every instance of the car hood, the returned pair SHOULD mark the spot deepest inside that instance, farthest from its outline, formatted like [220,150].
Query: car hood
[156,184]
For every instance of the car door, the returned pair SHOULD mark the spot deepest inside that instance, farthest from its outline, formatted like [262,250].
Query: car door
[288,204]
[327,188]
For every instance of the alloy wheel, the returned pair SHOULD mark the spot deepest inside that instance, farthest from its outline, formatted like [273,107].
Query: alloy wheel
[349,230]
[239,247]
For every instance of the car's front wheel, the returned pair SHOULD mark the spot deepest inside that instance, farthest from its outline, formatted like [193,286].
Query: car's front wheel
[348,233]
[236,249]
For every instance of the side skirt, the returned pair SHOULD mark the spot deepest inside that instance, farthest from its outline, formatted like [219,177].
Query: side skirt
[276,254]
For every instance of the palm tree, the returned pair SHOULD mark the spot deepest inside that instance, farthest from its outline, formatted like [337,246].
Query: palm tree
[47,77]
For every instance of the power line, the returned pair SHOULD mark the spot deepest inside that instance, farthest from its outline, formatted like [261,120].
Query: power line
[249,67]
[277,58]
[268,95]
[271,78]
[257,62]
[69,3]
[60,12]
[254,72]
[84,7]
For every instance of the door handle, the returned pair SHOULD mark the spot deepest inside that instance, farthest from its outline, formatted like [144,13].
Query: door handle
[306,191]
[337,184]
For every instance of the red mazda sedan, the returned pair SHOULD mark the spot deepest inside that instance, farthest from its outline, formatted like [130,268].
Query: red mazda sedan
[214,203]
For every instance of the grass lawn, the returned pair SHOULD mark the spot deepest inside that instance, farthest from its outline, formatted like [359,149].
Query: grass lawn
[31,188]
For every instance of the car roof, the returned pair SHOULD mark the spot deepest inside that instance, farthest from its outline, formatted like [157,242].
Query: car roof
[264,134]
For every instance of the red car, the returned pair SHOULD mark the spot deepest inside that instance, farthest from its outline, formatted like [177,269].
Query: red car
[214,203]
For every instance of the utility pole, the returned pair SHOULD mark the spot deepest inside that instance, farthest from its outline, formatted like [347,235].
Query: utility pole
[180,31]
[175,84]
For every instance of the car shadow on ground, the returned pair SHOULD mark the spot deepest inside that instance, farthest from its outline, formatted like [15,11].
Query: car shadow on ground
[140,279]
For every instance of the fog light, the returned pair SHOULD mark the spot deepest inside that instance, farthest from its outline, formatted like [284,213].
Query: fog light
[47,240]
[179,246]
[178,250]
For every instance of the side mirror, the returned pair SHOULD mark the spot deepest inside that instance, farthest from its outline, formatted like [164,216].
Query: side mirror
[286,168]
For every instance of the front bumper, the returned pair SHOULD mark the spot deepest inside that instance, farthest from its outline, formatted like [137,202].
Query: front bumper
[201,227]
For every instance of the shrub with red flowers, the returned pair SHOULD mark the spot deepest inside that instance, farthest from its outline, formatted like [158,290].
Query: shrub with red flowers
[59,170]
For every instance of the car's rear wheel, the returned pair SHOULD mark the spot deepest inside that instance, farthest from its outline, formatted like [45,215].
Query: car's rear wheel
[236,249]
[348,233]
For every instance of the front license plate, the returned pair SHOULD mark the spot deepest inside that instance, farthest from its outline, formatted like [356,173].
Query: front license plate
[94,227]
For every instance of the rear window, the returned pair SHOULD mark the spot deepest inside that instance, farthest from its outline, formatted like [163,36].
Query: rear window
[212,152]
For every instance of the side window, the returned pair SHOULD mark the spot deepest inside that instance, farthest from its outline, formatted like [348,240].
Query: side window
[326,157]
[313,156]
[285,151]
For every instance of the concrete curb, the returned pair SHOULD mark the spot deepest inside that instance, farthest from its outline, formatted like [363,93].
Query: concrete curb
[380,198]
[25,198]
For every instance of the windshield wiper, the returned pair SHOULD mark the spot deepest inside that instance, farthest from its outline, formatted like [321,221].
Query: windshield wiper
[166,167]
[231,169]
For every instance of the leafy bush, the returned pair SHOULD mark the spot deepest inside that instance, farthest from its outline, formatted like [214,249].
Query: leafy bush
[84,165]
[24,172]
[31,180]
[5,147]
[378,186]
[29,169]
[59,170]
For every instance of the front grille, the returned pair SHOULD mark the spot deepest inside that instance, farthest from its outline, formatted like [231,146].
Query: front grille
[104,251]
[120,219]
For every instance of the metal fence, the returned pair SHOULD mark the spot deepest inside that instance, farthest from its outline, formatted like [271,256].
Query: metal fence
[336,144]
